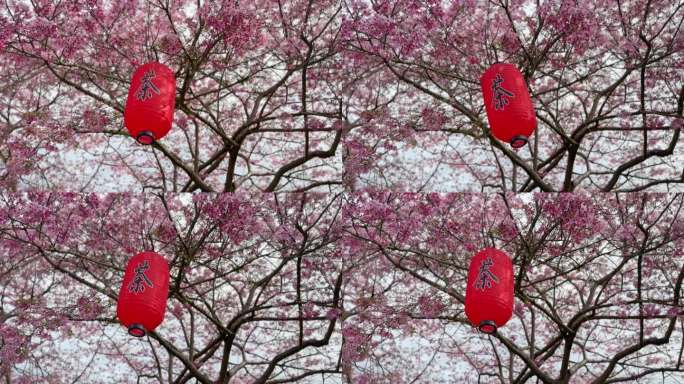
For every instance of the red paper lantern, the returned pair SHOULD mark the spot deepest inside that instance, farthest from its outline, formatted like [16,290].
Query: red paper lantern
[489,294]
[143,294]
[151,100]
[509,107]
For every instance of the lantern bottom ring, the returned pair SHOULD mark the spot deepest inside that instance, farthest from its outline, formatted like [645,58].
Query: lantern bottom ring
[136,330]
[487,326]
[518,141]
[145,138]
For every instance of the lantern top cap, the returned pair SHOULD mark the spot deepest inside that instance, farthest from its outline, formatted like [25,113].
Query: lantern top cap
[157,64]
[500,64]
[151,62]
[492,250]
[149,253]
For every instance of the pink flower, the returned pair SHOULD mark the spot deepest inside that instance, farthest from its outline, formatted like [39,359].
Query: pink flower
[333,313]
[430,306]
[432,119]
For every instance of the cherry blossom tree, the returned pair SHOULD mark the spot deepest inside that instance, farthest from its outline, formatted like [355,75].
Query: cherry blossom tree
[260,102]
[342,288]
[366,119]
[255,291]
[605,79]
[297,95]
[598,286]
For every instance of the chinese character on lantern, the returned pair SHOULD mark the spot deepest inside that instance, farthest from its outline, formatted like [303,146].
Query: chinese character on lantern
[137,285]
[485,277]
[147,87]
[500,93]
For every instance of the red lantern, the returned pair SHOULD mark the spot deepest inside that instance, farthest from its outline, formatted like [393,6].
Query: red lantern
[151,100]
[508,104]
[145,288]
[489,294]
